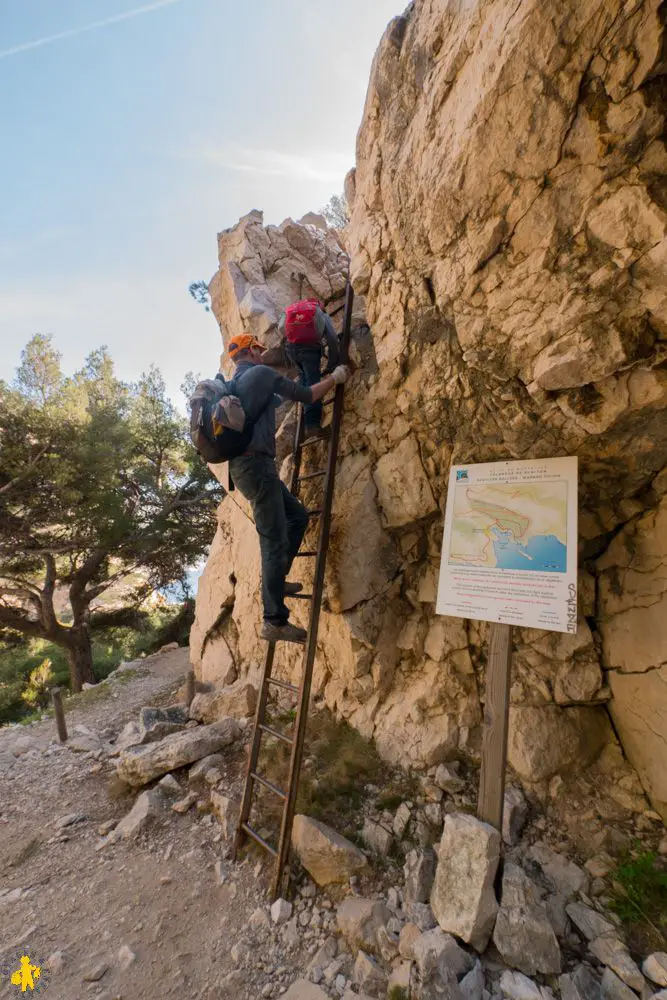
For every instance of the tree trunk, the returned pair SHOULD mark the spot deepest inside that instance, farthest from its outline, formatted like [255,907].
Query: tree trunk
[80,657]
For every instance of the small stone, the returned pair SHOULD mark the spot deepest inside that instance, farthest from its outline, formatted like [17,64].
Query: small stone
[145,811]
[472,984]
[96,972]
[401,820]
[655,968]
[184,805]
[281,911]
[105,828]
[359,921]
[220,874]
[419,873]
[421,914]
[259,919]
[409,934]
[591,923]
[126,957]
[600,866]
[515,814]
[447,779]
[399,980]
[212,762]
[325,854]
[226,810]
[377,838]
[558,870]
[170,786]
[267,990]
[434,950]
[613,953]
[56,962]
[579,985]
[300,990]
[369,975]
[613,988]
[516,986]
[70,820]
[525,938]
[662,847]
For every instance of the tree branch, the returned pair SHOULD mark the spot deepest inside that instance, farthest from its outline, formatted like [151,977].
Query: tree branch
[18,620]
[27,472]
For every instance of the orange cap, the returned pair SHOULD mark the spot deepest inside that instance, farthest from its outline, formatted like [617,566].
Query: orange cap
[242,342]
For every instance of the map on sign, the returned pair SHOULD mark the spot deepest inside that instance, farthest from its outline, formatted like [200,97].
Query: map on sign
[510,527]
[509,551]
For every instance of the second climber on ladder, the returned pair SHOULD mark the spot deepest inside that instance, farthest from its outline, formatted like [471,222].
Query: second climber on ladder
[281,520]
[307,329]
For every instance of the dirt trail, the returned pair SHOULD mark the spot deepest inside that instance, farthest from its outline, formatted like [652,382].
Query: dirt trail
[159,896]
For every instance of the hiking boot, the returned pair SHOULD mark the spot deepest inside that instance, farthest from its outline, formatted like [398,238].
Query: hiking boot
[293,588]
[317,432]
[283,633]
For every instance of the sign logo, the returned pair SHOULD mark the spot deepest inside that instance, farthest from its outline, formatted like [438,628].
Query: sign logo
[461,474]
[23,974]
[26,975]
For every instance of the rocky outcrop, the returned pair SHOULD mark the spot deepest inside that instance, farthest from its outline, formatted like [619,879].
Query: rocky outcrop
[509,240]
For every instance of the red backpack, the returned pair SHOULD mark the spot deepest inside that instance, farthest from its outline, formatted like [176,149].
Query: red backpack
[300,323]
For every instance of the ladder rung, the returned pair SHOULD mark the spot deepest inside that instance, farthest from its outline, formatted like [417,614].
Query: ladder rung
[268,784]
[328,402]
[299,597]
[260,840]
[283,684]
[313,440]
[305,555]
[274,732]
[315,512]
[313,475]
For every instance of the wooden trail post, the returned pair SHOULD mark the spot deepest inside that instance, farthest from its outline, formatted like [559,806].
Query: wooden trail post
[190,688]
[496,725]
[57,696]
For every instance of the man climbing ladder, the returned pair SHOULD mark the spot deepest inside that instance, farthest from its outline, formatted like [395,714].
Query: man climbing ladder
[296,739]
[280,519]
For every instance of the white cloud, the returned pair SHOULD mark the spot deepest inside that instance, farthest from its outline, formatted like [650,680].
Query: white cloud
[71,32]
[319,166]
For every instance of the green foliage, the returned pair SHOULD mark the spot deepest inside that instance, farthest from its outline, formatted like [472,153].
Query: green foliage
[338,764]
[336,211]
[36,691]
[397,993]
[200,293]
[19,662]
[98,486]
[640,898]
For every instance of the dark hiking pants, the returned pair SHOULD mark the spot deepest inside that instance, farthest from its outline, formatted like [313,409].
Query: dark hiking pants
[308,360]
[281,523]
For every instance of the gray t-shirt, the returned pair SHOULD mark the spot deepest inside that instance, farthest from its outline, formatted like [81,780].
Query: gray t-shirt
[259,386]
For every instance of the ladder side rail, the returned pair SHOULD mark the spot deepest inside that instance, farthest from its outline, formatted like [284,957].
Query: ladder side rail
[253,756]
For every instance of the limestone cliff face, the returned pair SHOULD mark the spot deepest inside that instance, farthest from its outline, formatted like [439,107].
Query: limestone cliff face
[508,234]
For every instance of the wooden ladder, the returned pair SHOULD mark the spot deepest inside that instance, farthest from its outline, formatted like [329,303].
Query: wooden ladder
[302,693]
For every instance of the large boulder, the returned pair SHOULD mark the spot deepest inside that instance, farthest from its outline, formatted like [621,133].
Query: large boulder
[462,898]
[139,765]
[326,855]
[549,740]
[633,595]
[237,701]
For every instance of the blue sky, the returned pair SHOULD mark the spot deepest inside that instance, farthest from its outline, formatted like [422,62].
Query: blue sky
[140,131]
